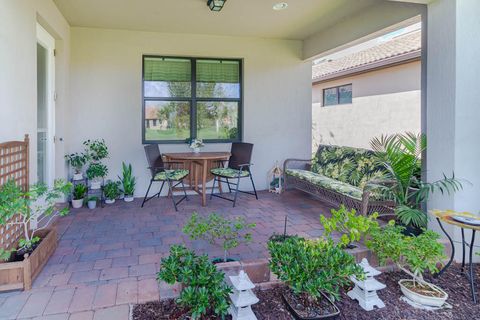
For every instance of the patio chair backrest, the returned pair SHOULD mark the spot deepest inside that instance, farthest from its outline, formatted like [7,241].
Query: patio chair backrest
[241,153]
[154,158]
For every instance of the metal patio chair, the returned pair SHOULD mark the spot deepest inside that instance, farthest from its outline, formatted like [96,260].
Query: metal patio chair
[170,172]
[238,167]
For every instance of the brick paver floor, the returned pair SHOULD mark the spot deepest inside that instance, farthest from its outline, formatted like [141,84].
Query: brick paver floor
[107,258]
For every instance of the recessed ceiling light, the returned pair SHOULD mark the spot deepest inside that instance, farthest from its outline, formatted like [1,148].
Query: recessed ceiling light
[280,6]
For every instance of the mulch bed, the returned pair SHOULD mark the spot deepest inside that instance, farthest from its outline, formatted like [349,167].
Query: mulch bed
[272,307]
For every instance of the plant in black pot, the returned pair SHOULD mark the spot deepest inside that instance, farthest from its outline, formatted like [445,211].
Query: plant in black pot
[214,228]
[400,155]
[204,292]
[314,271]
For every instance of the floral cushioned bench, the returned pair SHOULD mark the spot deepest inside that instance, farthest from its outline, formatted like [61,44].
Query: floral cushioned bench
[340,175]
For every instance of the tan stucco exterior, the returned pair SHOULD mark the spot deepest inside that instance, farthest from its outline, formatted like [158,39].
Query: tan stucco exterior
[384,101]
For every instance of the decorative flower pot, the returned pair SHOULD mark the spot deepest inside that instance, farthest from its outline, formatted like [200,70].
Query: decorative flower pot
[196,150]
[77,176]
[431,301]
[109,201]
[128,198]
[293,310]
[95,184]
[92,204]
[76,204]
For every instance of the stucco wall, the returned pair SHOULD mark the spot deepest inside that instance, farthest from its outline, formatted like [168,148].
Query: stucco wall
[18,78]
[105,100]
[383,102]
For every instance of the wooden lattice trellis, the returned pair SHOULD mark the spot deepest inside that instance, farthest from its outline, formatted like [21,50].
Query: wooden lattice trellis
[13,165]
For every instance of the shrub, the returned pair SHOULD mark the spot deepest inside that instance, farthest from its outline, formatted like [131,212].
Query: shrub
[79,191]
[204,290]
[97,170]
[112,190]
[76,160]
[352,226]
[309,267]
[412,254]
[216,228]
[96,150]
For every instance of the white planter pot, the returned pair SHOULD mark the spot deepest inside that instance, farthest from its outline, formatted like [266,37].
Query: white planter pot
[109,201]
[196,150]
[128,198]
[96,184]
[77,203]
[92,204]
[421,299]
[77,176]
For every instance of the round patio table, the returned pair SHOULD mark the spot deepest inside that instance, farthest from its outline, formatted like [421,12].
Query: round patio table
[200,164]
[463,220]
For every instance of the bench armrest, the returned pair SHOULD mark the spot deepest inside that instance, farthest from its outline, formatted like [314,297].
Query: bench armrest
[304,164]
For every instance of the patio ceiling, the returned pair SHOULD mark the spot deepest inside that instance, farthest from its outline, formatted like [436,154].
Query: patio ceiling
[251,18]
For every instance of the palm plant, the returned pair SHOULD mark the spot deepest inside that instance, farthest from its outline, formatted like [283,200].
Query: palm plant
[401,154]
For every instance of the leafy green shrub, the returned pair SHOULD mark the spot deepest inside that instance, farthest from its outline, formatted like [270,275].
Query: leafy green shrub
[352,226]
[127,180]
[309,267]
[96,150]
[204,290]
[79,191]
[216,228]
[412,254]
[97,170]
[112,190]
[5,254]
[77,161]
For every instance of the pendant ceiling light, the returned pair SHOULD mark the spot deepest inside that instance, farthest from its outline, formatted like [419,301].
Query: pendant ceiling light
[216,5]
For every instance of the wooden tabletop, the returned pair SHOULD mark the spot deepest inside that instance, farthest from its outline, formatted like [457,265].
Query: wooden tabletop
[197,156]
[447,217]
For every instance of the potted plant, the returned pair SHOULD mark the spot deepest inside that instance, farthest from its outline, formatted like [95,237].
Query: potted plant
[111,190]
[400,154]
[204,292]
[78,195]
[313,271]
[96,150]
[76,161]
[38,203]
[413,255]
[128,182]
[196,144]
[215,228]
[92,202]
[352,226]
[96,172]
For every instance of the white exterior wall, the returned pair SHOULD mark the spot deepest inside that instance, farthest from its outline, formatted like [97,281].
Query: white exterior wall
[384,101]
[106,98]
[18,76]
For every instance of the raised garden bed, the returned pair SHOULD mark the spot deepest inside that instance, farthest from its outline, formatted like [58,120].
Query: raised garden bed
[20,274]
[271,305]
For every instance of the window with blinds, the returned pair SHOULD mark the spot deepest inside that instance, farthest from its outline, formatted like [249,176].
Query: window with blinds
[187,98]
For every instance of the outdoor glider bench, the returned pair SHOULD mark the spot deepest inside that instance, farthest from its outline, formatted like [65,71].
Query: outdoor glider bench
[340,175]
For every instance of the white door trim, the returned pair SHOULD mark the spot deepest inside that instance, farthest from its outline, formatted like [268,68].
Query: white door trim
[48,42]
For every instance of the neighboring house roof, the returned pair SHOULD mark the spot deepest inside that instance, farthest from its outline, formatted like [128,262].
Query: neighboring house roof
[151,113]
[399,50]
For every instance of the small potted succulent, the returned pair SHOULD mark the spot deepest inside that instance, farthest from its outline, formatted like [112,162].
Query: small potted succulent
[128,182]
[314,271]
[111,190]
[413,255]
[196,144]
[215,228]
[76,161]
[92,202]
[78,195]
[96,172]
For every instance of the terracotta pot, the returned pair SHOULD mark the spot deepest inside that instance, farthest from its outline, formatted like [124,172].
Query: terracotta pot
[422,299]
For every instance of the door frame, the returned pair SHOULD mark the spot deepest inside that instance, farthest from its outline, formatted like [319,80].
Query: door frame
[47,41]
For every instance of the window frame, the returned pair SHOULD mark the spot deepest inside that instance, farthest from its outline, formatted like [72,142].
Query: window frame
[337,88]
[193,100]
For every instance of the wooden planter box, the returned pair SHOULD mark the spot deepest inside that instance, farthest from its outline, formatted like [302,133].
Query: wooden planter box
[20,275]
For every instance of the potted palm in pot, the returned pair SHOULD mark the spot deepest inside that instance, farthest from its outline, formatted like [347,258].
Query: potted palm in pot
[111,190]
[400,155]
[78,195]
[413,255]
[96,172]
[76,161]
[314,271]
[128,182]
